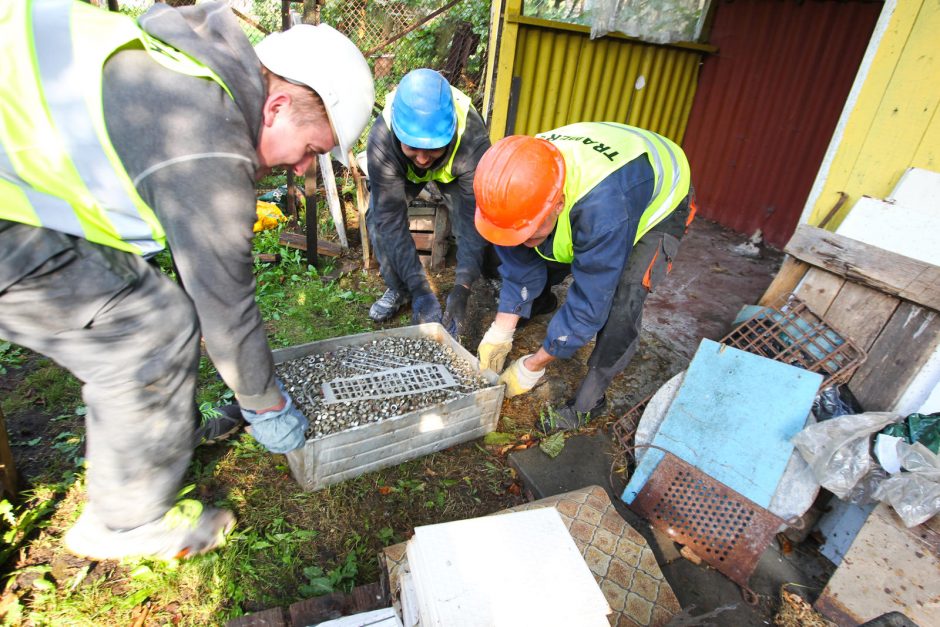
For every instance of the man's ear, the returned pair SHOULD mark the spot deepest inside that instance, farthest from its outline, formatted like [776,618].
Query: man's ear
[276,103]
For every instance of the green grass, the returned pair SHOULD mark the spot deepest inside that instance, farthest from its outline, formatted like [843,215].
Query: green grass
[288,544]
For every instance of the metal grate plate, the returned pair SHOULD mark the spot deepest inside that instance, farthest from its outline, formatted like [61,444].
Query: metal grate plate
[367,361]
[725,529]
[394,382]
[793,334]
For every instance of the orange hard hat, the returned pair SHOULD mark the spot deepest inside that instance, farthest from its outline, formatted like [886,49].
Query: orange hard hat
[517,183]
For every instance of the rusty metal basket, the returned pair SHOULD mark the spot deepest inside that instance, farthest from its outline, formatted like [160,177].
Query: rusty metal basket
[724,528]
[793,334]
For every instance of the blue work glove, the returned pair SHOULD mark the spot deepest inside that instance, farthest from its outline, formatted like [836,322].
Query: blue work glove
[279,430]
[425,308]
[455,313]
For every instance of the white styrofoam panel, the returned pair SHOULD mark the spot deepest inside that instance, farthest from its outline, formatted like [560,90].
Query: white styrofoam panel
[918,188]
[906,229]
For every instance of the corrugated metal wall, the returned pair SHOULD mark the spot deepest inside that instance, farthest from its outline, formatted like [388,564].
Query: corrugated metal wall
[560,76]
[767,105]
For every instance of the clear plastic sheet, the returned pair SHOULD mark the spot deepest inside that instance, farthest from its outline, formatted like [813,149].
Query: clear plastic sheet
[915,494]
[657,21]
[837,451]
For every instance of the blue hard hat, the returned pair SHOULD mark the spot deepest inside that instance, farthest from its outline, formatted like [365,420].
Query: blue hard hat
[423,114]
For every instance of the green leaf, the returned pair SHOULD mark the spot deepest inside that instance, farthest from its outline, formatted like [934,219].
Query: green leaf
[34,441]
[497,438]
[553,444]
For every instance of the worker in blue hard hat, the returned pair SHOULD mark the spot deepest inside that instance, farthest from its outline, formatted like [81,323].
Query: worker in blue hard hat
[428,131]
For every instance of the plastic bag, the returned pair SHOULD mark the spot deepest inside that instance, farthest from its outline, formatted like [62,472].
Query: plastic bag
[923,428]
[915,494]
[830,404]
[837,451]
[269,216]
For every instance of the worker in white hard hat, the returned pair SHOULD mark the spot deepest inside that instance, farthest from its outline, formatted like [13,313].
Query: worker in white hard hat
[122,138]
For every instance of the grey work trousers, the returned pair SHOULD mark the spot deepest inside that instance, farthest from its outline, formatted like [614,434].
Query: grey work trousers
[399,245]
[618,340]
[131,336]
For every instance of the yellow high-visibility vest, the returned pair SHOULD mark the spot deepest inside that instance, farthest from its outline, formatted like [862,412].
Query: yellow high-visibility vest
[58,168]
[593,151]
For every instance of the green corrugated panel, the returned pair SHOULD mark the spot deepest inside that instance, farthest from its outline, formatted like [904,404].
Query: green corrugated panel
[565,78]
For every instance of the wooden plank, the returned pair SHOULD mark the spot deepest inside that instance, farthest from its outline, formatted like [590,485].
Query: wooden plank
[882,270]
[273,617]
[887,568]
[318,609]
[859,313]
[311,245]
[420,224]
[295,240]
[818,289]
[423,241]
[905,344]
[788,277]
[332,198]
[8,478]
[439,243]
[362,206]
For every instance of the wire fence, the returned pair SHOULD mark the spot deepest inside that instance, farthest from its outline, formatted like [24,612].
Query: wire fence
[396,36]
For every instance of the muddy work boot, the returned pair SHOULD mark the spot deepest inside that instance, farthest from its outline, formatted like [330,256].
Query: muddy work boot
[227,422]
[187,529]
[384,308]
[567,418]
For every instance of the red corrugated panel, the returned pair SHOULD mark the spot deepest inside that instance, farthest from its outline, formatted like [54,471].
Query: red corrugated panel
[767,105]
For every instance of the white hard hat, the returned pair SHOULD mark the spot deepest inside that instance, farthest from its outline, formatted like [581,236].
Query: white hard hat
[325,60]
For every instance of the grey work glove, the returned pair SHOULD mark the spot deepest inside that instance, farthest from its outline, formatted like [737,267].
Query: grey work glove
[425,308]
[455,313]
[279,430]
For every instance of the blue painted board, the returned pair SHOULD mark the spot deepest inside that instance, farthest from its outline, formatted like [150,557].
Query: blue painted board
[733,418]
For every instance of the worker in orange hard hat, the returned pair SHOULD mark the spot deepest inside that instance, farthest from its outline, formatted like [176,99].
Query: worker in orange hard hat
[606,203]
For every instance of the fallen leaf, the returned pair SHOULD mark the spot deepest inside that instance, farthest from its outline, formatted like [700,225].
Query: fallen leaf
[385,490]
[514,488]
[553,444]
[520,447]
[525,437]
[505,449]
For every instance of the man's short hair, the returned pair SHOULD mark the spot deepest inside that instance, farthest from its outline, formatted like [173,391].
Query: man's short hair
[308,107]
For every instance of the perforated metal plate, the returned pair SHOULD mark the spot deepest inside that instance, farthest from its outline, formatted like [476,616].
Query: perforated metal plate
[725,529]
[394,382]
[369,361]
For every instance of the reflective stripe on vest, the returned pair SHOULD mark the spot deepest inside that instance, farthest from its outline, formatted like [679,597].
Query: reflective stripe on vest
[593,151]
[58,168]
[462,105]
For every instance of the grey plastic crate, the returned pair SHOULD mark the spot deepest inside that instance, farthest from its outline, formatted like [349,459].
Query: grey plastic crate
[350,453]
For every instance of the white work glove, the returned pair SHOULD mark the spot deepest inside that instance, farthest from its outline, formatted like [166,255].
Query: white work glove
[519,379]
[494,347]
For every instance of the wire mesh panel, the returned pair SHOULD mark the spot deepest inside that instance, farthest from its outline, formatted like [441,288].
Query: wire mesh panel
[793,334]
[395,382]
[724,528]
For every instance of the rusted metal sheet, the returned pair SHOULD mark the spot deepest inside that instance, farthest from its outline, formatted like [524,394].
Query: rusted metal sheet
[725,529]
[767,105]
[563,77]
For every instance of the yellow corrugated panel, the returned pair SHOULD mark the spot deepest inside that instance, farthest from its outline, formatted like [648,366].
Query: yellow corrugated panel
[561,76]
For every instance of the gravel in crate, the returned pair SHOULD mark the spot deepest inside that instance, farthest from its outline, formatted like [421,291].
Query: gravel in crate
[304,378]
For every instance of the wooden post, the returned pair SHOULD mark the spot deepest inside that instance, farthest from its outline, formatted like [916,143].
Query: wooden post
[310,194]
[8,477]
[362,205]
